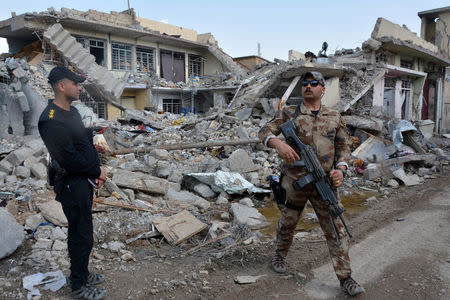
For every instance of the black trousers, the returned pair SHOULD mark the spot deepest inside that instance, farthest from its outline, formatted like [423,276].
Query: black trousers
[76,199]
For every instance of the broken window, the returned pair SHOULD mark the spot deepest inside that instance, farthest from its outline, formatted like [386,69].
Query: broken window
[381,58]
[121,57]
[144,59]
[406,98]
[172,105]
[406,64]
[172,66]
[195,65]
[388,98]
[96,48]
[98,107]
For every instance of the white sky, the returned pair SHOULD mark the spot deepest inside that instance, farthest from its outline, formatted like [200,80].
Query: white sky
[277,25]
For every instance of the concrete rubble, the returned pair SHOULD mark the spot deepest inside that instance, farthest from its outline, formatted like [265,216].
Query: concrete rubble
[226,183]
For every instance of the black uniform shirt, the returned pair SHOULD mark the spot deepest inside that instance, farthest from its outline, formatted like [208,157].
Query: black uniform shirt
[68,141]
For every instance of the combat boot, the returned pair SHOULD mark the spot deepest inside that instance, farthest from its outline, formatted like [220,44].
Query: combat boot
[351,287]
[279,263]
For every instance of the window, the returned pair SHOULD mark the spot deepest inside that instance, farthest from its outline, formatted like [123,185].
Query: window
[172,105]
[195,65]
[406,64]
[98,107]
[95,47]
[121,57]
[144,59]
[381,57]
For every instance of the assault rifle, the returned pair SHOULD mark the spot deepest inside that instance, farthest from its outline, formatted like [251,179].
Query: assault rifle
[316,175]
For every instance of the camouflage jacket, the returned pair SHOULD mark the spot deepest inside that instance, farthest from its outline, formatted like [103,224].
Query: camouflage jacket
[327,132]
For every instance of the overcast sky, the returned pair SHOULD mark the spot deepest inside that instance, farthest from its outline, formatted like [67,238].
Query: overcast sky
[277,25]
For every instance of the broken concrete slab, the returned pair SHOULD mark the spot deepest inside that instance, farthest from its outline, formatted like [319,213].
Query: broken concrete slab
[111,187]
[240,162]
[374,150]
[244,113]
[31,222]
[408,180]
[179,227]
[244,215]
[140,181]
[11,233]
[204,190]
[39,170]
[6,166]
[22,172]
[52,211]
[23,102]
[18,156]
[187,197]
[366,122]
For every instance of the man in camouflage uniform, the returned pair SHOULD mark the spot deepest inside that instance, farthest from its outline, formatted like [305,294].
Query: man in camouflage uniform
[324,129]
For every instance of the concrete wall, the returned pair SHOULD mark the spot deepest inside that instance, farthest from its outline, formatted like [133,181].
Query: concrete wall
[295,55]
[446,106]
[211,64]
[385,28]
[250,62]
[331,97]
[442,35]
[188,34]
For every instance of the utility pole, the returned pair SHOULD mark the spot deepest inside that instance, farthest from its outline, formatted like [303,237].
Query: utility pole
[128,4]
[259,49]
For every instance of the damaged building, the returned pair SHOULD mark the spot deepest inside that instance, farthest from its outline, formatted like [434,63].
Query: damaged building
[164,67]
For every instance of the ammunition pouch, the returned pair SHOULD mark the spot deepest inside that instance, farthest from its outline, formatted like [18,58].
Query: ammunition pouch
[55,175]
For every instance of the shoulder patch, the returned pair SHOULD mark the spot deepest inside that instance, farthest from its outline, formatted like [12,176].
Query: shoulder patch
[51,113]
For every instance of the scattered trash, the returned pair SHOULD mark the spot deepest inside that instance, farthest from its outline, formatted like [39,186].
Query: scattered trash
[232,183]
[52,281]
[179,227]
[400,219]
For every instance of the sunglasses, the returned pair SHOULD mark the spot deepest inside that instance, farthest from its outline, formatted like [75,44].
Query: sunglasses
[313,83]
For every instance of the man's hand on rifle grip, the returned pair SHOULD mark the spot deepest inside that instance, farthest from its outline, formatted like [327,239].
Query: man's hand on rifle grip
[337,176]
[284,150]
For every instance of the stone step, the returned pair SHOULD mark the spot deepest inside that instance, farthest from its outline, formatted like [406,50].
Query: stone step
[53,31]
[67,44]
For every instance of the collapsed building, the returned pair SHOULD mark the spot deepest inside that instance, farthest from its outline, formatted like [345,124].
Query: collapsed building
[163,160]
[164,67]
[413,79]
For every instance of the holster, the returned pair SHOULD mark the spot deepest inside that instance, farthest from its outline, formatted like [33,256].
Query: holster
[279,193]
[56,175]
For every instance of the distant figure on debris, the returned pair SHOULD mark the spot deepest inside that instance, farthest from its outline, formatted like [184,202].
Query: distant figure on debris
[325,130]
[323,52]
[310,57]
[74,171]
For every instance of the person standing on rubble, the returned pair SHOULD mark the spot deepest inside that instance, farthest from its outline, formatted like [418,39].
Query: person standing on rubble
[324,129]
[75,171]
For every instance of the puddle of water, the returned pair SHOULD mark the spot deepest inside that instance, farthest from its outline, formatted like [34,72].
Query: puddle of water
[353,203]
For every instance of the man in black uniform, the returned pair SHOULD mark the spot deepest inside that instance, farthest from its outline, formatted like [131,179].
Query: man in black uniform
[70,145]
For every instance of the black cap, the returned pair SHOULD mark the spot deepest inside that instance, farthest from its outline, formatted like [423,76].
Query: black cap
[316,75]
[59,73]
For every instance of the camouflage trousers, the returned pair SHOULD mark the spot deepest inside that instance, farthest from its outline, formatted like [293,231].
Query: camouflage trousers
[290,217]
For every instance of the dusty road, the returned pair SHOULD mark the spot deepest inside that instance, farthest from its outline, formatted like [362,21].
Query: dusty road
[400,250]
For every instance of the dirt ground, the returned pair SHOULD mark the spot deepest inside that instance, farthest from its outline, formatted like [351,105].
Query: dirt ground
[399,250]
